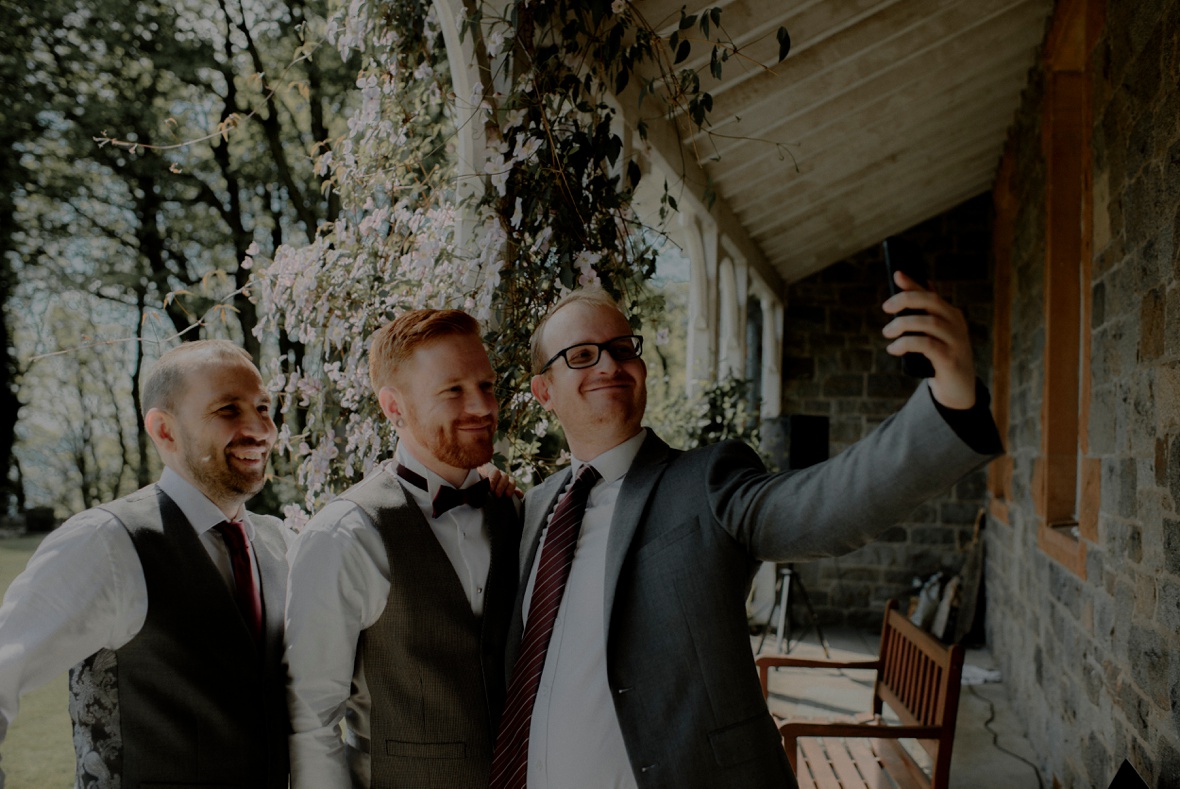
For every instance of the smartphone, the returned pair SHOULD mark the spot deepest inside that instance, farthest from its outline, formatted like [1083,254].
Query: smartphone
[903,255]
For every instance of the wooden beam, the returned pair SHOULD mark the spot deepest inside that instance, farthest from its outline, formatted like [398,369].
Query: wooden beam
[878,43]
[889,93]
[862,138]
[841,230]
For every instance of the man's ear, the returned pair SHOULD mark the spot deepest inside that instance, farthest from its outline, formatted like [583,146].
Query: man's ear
[540,387]
[160,427]
[389,398]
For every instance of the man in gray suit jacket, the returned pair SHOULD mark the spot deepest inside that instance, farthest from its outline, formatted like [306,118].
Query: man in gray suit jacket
[648,679]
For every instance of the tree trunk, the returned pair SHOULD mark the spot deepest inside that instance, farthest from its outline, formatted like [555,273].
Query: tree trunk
[142,470]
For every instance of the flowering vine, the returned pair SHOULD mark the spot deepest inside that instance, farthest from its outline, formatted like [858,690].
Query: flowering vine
[552,211]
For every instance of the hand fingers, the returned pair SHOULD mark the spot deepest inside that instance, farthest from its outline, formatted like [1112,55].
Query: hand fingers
[941,335]
[949,326]
[499,483]
[906,282]
[916,299]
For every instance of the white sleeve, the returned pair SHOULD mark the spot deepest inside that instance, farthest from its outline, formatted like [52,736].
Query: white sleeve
[338,587]
[82,590]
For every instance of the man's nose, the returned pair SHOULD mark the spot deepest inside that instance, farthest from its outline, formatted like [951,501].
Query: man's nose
[481,403]
[606,361]
[258,426]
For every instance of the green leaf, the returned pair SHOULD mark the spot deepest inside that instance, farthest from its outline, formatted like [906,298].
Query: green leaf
[715,64]
[687,21]
[621,80]
[705,25]
[682,51]
[633,173]
[784,43]
[674,40]
[715,14]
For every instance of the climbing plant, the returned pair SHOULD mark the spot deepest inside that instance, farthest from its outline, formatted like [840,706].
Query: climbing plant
[553,207]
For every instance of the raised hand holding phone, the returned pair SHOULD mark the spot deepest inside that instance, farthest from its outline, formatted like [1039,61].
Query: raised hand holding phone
[924,323]
[904,256]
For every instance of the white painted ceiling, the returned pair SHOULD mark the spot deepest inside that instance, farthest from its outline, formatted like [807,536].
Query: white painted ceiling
[885,113]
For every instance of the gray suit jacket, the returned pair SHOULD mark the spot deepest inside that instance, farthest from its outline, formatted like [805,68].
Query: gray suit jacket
[688,533]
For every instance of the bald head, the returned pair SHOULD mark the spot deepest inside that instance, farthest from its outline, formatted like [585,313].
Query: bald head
[166,381]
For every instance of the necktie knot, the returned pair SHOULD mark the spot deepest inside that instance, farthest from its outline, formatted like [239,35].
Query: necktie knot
[448,497]
[233,532]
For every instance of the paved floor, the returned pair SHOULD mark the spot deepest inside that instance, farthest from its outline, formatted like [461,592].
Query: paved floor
[982,759]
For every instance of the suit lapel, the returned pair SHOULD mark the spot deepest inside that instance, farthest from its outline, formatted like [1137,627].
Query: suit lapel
[638,485]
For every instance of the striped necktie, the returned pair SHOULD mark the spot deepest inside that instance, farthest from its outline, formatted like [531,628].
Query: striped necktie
[510,758]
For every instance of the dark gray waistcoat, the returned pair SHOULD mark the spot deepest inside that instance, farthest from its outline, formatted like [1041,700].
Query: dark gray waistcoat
[188,701]
[435,671]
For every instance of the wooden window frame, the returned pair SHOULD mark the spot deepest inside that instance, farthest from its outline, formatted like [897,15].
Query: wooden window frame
[1068,517]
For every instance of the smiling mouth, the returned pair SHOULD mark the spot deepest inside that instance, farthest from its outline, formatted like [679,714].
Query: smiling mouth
[609,385]
[250,456]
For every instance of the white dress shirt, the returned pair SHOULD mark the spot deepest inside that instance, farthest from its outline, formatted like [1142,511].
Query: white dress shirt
[339,586]
[83,590]
[575,740]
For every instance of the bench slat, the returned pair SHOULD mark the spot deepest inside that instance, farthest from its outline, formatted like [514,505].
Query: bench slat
[855,766]
[815,757]
[899,764]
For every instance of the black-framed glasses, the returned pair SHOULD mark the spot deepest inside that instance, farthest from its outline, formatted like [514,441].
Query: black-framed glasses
[587,354]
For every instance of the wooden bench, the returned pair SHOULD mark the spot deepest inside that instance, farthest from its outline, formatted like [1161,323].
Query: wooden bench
[918,677]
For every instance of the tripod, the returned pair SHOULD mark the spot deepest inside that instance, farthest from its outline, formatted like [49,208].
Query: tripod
[785,578]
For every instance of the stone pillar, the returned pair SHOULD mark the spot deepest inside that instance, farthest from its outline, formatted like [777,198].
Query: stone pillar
[700,241]
[772,353]
[733,290]
[471,144]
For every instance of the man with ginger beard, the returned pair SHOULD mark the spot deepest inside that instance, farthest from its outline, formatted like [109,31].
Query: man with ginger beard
[401,589]
[167,605]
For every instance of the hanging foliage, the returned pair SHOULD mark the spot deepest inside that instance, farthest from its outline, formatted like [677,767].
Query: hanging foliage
[553,207]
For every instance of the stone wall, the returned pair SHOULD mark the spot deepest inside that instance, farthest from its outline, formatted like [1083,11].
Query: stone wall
[1093,658]
[835,365]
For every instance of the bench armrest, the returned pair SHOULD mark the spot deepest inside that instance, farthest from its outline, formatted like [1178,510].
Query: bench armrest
[767,662]
[792,730]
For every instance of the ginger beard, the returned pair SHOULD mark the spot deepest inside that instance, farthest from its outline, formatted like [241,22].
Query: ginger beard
[463,443]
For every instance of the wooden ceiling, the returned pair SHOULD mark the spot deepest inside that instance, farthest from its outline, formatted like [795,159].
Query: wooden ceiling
[885,113]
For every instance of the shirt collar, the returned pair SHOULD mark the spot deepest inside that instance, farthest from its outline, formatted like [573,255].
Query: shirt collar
[433,481]
[202,513]
[613,463]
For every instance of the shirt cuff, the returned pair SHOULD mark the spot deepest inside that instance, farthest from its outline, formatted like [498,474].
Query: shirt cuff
[974,426]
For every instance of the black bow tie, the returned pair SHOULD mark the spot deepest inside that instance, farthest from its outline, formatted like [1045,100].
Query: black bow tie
[448,497]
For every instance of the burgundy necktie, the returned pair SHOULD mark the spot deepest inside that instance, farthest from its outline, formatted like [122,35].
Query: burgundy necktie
[245,592]
[510,758]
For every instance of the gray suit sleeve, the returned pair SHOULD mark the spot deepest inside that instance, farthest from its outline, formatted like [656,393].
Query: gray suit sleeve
[841,504]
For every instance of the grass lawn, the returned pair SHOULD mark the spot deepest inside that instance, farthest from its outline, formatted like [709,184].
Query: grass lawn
[38,752]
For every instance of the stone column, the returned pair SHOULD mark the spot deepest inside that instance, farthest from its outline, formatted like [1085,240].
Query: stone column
[772,353]
[700,241]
